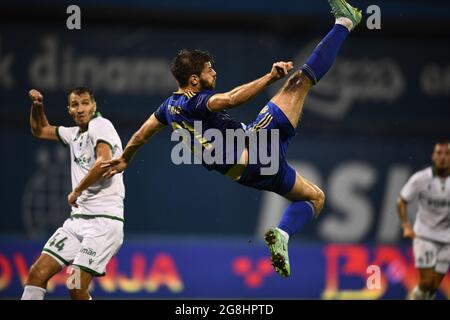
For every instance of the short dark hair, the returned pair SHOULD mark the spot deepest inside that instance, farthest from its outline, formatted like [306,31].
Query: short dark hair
[79,91]
[442,142]
[189,62]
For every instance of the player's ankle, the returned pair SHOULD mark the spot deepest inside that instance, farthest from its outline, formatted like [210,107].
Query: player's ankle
[346,22]
[284,234]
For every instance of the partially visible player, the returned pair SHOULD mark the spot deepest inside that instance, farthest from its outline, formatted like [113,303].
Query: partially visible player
[196,101]
[431,233]
[94,231]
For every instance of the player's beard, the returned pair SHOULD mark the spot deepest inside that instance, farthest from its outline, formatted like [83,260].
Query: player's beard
[442,171]
[208,85]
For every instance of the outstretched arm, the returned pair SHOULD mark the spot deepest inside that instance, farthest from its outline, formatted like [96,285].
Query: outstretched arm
[148,129]
[244,93]
[403,214]
[38,121]
[103,153]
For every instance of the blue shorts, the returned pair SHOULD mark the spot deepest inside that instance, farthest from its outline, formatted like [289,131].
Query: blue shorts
[271,117]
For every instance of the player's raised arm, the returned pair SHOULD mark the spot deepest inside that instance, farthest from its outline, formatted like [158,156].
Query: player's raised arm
[148,129]
[38,121]
[244,93]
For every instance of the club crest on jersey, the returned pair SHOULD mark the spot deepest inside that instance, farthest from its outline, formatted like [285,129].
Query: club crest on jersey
[83,160]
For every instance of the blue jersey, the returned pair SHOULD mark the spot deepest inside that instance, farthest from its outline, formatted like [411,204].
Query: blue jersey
[181,110]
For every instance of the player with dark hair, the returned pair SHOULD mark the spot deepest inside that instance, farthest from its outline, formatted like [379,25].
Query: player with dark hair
[94,231]
[195,100]
[431,233]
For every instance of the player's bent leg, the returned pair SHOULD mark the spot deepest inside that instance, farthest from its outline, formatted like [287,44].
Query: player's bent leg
[429,282]
[319,201]
[426,254]
[426,279]
[305,190]
[308,201]
[102,240]
[82,293]
[291,97]
[437,279]
[424,290]
[40,272]
[442,265]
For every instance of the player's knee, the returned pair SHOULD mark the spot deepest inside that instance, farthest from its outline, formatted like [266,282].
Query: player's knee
[427,285]
[37,276]
[79,294]
[319,201]
[297,80]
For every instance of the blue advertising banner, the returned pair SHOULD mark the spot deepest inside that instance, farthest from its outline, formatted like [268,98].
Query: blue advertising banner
[212,268]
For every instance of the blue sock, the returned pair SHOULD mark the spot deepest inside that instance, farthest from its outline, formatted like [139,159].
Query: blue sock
[295,216]
[323,56]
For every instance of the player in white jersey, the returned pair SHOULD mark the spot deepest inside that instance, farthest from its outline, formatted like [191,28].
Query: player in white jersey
[94,231]
[431,232]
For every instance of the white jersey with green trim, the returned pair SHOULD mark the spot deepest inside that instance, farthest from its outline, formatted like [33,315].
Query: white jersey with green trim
[105,197]
[433,194]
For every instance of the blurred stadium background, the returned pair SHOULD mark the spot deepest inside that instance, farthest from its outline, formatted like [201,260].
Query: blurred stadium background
[193,234]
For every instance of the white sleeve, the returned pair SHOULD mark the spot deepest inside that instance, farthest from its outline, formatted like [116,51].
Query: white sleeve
[65,135]
[102,130]
[411,188]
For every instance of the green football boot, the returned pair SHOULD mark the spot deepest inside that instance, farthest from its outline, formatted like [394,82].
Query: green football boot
[341,9]
[278,247]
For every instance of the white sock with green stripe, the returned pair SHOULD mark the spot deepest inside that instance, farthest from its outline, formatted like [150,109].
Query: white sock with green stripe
[33,293]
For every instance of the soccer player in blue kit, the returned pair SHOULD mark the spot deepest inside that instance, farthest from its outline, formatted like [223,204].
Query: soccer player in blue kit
[195,100]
